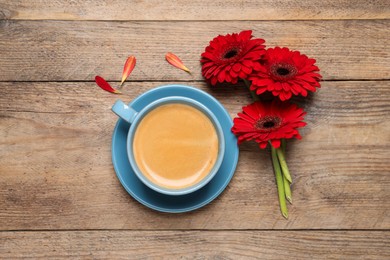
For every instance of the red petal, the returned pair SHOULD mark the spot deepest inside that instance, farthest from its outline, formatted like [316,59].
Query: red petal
[263,82]
[103,84]
[245,34]
[208,55]
[278,86]
[307,86]
[128,68]
[221,76]
[246,69]
[228,78]
[247,63]
[237,67]
[176,62]
[233,73]
[260,91]
[242,75]
[285,86]
[287,95]
[214,81]
[263,145]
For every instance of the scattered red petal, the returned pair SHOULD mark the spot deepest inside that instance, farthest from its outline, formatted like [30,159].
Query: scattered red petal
[103,84]
[128,68]
[176,62]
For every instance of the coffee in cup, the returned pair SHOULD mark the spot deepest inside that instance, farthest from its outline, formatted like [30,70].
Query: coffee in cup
[175,145]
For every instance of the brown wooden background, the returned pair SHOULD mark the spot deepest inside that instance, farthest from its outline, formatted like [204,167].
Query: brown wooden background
[59,196]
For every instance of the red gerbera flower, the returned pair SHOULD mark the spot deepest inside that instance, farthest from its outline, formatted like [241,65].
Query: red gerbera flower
[231,57]
[285,73]
[270,121]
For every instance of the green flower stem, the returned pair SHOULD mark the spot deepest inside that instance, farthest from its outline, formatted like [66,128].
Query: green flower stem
[287,190]
[283,164]
[279,182]
[255,97]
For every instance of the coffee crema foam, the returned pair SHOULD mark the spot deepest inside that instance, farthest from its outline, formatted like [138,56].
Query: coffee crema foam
[175,146]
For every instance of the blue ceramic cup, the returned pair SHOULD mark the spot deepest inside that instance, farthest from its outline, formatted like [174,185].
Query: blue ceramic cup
[134,118]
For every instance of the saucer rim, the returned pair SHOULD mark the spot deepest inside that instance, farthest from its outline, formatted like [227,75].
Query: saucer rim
[229,175]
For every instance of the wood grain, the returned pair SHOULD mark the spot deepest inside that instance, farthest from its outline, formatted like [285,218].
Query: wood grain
[196,245]
[56,168]
[194,10]
[79,50]
[59,196]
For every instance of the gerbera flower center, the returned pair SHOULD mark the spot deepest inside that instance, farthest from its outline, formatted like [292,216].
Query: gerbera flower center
[268,123]
[283,71]
[230,54]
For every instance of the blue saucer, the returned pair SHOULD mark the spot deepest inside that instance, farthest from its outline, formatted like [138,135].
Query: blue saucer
[166,203]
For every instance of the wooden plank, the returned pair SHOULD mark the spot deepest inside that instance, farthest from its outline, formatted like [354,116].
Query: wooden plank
[195,10]
[56,170]
[196,245]
[68,51]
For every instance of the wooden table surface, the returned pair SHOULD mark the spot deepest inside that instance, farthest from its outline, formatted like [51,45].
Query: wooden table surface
[60,197]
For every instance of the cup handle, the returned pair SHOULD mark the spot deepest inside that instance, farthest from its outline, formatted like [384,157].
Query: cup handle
[124,111]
